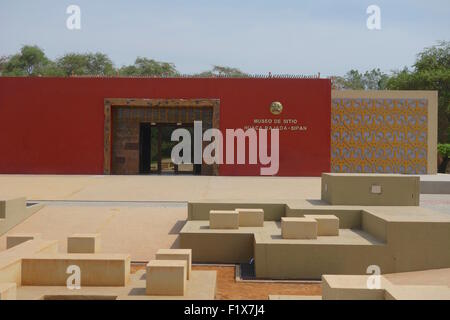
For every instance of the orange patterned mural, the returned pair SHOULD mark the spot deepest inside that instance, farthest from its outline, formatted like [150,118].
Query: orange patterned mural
[379,135]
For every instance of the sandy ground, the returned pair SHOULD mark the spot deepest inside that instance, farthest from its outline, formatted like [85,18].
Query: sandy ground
[229,289]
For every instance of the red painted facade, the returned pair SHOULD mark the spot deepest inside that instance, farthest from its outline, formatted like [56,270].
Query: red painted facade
[56,125]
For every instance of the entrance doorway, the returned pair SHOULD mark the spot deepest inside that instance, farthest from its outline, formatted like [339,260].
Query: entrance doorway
[131,144]
[155,148]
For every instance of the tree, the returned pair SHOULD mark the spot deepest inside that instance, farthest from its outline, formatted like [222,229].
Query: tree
[149,67]
[354,80]
[97,64]
[220,71]
[3,61]
[30,61]
[73,64]
[431,71]
[51,69]
[100,64]
[375,80]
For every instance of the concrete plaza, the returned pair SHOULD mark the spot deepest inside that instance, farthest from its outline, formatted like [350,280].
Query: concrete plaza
[140,214]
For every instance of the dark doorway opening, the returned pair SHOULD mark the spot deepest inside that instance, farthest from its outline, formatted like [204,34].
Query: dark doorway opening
[144,148]
[155,149]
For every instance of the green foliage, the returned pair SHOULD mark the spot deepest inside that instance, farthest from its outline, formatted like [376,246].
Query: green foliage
[72,64]
[3,61]
[434,58]
[100,64]
[85,64]
[31,61]
[369,80]
[444,149]
[149,67]
[221,71]
[431,72]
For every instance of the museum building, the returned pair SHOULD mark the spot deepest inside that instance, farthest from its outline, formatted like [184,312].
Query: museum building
[119,125]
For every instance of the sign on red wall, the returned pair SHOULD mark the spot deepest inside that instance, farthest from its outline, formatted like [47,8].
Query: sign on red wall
[56,125]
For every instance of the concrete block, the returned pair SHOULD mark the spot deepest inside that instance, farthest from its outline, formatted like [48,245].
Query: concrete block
[11,259]
[8,291]
[298,228]
[327,224]
[349,287]
[83,243]
[98,270]
[250,217]
[166,278]
[15,239]
[223,219]
[177,254]
[217,246]
[370,189]
[13,211]
[12,206]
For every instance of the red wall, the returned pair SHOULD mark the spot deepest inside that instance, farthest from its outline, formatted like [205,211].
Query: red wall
[55,125]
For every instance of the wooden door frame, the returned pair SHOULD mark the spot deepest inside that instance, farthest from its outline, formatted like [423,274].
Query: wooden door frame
[110,103]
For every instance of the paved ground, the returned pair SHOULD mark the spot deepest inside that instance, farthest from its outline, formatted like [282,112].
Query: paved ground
[140,231]
[438,202]
[134,214]
[157,188]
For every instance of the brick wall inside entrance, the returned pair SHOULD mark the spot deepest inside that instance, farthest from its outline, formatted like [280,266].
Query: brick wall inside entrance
[125,123]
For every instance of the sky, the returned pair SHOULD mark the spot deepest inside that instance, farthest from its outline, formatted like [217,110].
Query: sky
[257,36]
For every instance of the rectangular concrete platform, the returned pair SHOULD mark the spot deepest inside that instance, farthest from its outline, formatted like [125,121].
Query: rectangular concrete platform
[391,237]
[370,189]
[421,285]
[96,269]
[201,286]
[435,184]
[11,259]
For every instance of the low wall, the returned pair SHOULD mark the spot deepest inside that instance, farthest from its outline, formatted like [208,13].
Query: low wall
[370,189]
[309,261]
[100,270]
[219,247]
